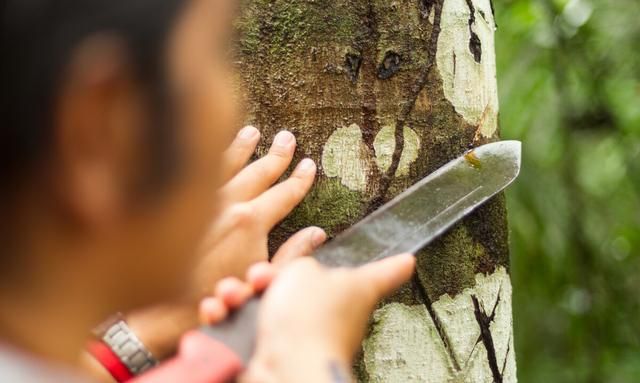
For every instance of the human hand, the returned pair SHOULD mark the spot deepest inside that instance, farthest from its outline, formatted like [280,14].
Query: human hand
[312,319]
[232,293]
[251,206]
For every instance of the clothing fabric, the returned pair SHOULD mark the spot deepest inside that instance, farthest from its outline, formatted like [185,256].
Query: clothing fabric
[19,367]
[200,359]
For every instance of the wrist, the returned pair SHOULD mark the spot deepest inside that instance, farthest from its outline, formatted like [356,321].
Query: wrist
[160,328]
[127,346]
[119,350]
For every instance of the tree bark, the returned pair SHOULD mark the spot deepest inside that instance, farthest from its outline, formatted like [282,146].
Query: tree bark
[380,94]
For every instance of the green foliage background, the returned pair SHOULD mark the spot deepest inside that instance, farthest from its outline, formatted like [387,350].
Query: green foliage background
[569,75]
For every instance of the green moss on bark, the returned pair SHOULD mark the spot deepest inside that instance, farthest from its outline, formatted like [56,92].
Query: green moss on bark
[477,245]
[282,27]
[329,205]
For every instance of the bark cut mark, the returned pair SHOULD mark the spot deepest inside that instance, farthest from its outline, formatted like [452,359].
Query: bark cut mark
[493,13]
[455,64]
[370,124]
[389,66]
[442,333]
[484,321]
[475,45]
[425,7]
[407,108]
[353,62]
[506,355]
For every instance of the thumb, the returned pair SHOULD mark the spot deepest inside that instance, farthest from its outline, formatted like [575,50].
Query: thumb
[385,276]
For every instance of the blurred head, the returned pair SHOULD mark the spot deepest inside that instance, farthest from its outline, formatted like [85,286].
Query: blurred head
[113,117]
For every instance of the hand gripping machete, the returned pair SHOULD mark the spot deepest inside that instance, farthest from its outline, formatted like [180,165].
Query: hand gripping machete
[404,225]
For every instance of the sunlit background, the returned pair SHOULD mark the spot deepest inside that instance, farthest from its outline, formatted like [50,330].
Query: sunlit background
[569,75]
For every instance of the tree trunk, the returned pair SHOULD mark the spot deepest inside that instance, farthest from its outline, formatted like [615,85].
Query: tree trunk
[380,94]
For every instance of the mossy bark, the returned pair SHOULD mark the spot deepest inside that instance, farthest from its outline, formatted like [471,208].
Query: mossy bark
[380,94]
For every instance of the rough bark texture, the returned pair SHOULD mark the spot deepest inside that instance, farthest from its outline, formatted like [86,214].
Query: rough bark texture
[381,93]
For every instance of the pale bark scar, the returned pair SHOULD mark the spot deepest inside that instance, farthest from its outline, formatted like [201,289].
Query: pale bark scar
[343,156]
[467,64]
[406,345]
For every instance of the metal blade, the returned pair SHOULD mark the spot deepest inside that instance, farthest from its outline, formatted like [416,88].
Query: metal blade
[423,212]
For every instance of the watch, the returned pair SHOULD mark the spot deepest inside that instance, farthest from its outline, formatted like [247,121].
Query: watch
[118,336]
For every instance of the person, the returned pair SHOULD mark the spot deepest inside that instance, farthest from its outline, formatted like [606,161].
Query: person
[123,190]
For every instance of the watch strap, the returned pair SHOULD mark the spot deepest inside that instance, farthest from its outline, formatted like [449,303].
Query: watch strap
[123,342]
[109,360]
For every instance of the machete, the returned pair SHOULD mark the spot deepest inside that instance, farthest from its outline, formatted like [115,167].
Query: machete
[404,225]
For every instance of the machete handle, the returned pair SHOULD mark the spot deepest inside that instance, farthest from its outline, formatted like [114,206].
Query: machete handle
[200,359]
[238,331]
[212,354]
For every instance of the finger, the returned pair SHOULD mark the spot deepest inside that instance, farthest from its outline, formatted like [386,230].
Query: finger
[383,277]
[233,292]
[212,311]
[240,151]
[301,244]
[261,174]
[234,217]
[276,203]
[260,275]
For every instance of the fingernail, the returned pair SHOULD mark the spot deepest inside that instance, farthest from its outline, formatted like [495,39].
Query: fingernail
[248,132]
[318,237]
[283,139]
[306,166]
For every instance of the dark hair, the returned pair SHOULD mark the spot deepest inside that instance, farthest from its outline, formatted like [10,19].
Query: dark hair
[36,39]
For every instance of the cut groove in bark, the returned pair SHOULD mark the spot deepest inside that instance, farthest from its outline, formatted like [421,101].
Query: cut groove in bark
[352,62]
[389,66]
[442,333]
[475,45]
[484,321]
[370,125]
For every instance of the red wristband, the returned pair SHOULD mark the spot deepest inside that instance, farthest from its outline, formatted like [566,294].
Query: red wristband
[110,361]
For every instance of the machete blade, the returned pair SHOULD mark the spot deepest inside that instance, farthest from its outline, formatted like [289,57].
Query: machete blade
[420,214]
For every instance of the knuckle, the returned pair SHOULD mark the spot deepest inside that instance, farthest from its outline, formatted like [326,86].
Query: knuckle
[269,167]
[279,152]
[238,151]
[242,214]
[295,192]
[303,247]
[297,187]
[308,239]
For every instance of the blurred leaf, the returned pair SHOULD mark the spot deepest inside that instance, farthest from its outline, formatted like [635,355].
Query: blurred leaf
[569,77]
